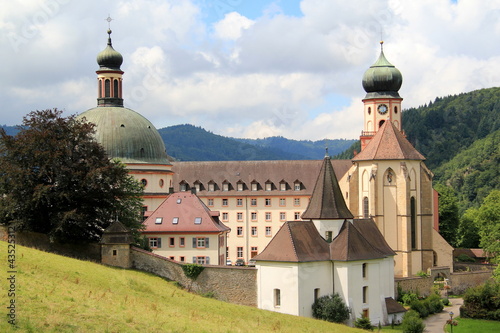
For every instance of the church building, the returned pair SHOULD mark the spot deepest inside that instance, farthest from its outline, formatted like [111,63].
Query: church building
[387,181]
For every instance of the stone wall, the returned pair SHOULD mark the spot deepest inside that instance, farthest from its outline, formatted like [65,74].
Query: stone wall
[42,242]
[459,282]
[236,285]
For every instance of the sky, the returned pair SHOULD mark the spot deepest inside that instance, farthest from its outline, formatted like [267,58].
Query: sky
[244,68]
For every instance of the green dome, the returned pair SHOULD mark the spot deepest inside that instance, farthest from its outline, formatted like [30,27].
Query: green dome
[382,78]
[127,135]
[109,58]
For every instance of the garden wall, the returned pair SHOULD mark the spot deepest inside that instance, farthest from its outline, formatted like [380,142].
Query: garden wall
[236,285]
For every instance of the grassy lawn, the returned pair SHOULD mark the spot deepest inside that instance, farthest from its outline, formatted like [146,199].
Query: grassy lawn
[474,326]
[59,294]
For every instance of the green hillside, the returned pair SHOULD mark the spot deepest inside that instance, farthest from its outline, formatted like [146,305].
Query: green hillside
[60,294]
[310,149]
[191,143]
[473,172]
[443,128]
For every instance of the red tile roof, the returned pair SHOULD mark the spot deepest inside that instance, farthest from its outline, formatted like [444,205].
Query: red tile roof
[296,241]
[186,207]
[389,144]
[327,201]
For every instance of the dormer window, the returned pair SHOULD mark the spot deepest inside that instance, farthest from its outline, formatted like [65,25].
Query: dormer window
[240,186]
[269,186]
[297,186]
[255,186]
[283,185]
[197,186]
[211,186]
[225,186]
[183,186]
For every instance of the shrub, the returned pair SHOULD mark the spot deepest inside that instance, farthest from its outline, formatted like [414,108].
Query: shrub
[435,304]
[409,298]
[363,323]
[465,258]
[445,301]
[482,302]
[192,270]
[420,307]
[330,308]
[422,274]
[412,323]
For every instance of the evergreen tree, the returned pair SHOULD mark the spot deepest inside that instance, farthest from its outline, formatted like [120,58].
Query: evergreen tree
[56,179]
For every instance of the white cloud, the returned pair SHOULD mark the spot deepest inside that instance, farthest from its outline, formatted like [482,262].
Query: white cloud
[232,26]
[270,75]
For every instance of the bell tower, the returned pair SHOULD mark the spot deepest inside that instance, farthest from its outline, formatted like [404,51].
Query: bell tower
[382,102]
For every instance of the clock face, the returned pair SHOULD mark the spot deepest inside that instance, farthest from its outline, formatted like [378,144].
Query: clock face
[382,109]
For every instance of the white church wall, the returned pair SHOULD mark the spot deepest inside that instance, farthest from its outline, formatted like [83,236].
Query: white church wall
[282,278]
[313,276]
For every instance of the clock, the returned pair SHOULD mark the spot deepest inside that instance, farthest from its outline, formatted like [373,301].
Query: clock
[382,109]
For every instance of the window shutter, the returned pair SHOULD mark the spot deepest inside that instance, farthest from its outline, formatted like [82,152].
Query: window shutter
[194,242]
[194,260]
[208,260]
[159,242]
[207,245]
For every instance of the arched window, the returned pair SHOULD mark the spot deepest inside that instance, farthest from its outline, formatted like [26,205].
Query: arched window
[381,123]
[369,110]
[107,88]
[413,220]
[366,208]
[395,109]
[115,88]
[100,88]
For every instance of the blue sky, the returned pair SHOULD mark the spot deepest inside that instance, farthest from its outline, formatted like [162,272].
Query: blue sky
[244,68]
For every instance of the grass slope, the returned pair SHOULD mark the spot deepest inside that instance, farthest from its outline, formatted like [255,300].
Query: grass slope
[60,294]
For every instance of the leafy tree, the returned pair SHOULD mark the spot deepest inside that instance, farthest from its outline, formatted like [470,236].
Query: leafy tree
[330,308]
[467,234]
[448,213]
[56,179]
[488,224]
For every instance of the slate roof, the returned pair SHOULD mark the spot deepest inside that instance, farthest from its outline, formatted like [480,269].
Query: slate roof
[351,245]
[296,241]
[389,144]
[305,171]
[393,306]
[186,207]
[327,201]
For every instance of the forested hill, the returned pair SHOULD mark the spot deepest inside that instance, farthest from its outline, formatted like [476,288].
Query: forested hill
[450,124]
[307,148]
[191,143]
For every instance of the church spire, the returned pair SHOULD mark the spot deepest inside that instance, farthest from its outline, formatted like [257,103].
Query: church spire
[109,75]
[327,201]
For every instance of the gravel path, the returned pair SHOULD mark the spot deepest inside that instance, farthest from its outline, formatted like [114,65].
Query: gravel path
[436,322]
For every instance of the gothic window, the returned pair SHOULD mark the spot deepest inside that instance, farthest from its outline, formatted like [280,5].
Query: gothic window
[366,208]
[413,220]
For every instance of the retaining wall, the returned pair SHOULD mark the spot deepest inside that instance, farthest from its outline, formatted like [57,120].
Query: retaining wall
[236,285]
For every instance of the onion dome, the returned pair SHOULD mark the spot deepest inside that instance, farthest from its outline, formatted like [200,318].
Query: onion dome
[109,58]
[382,78]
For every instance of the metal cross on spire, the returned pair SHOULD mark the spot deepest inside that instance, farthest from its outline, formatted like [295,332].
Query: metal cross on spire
[109,19]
